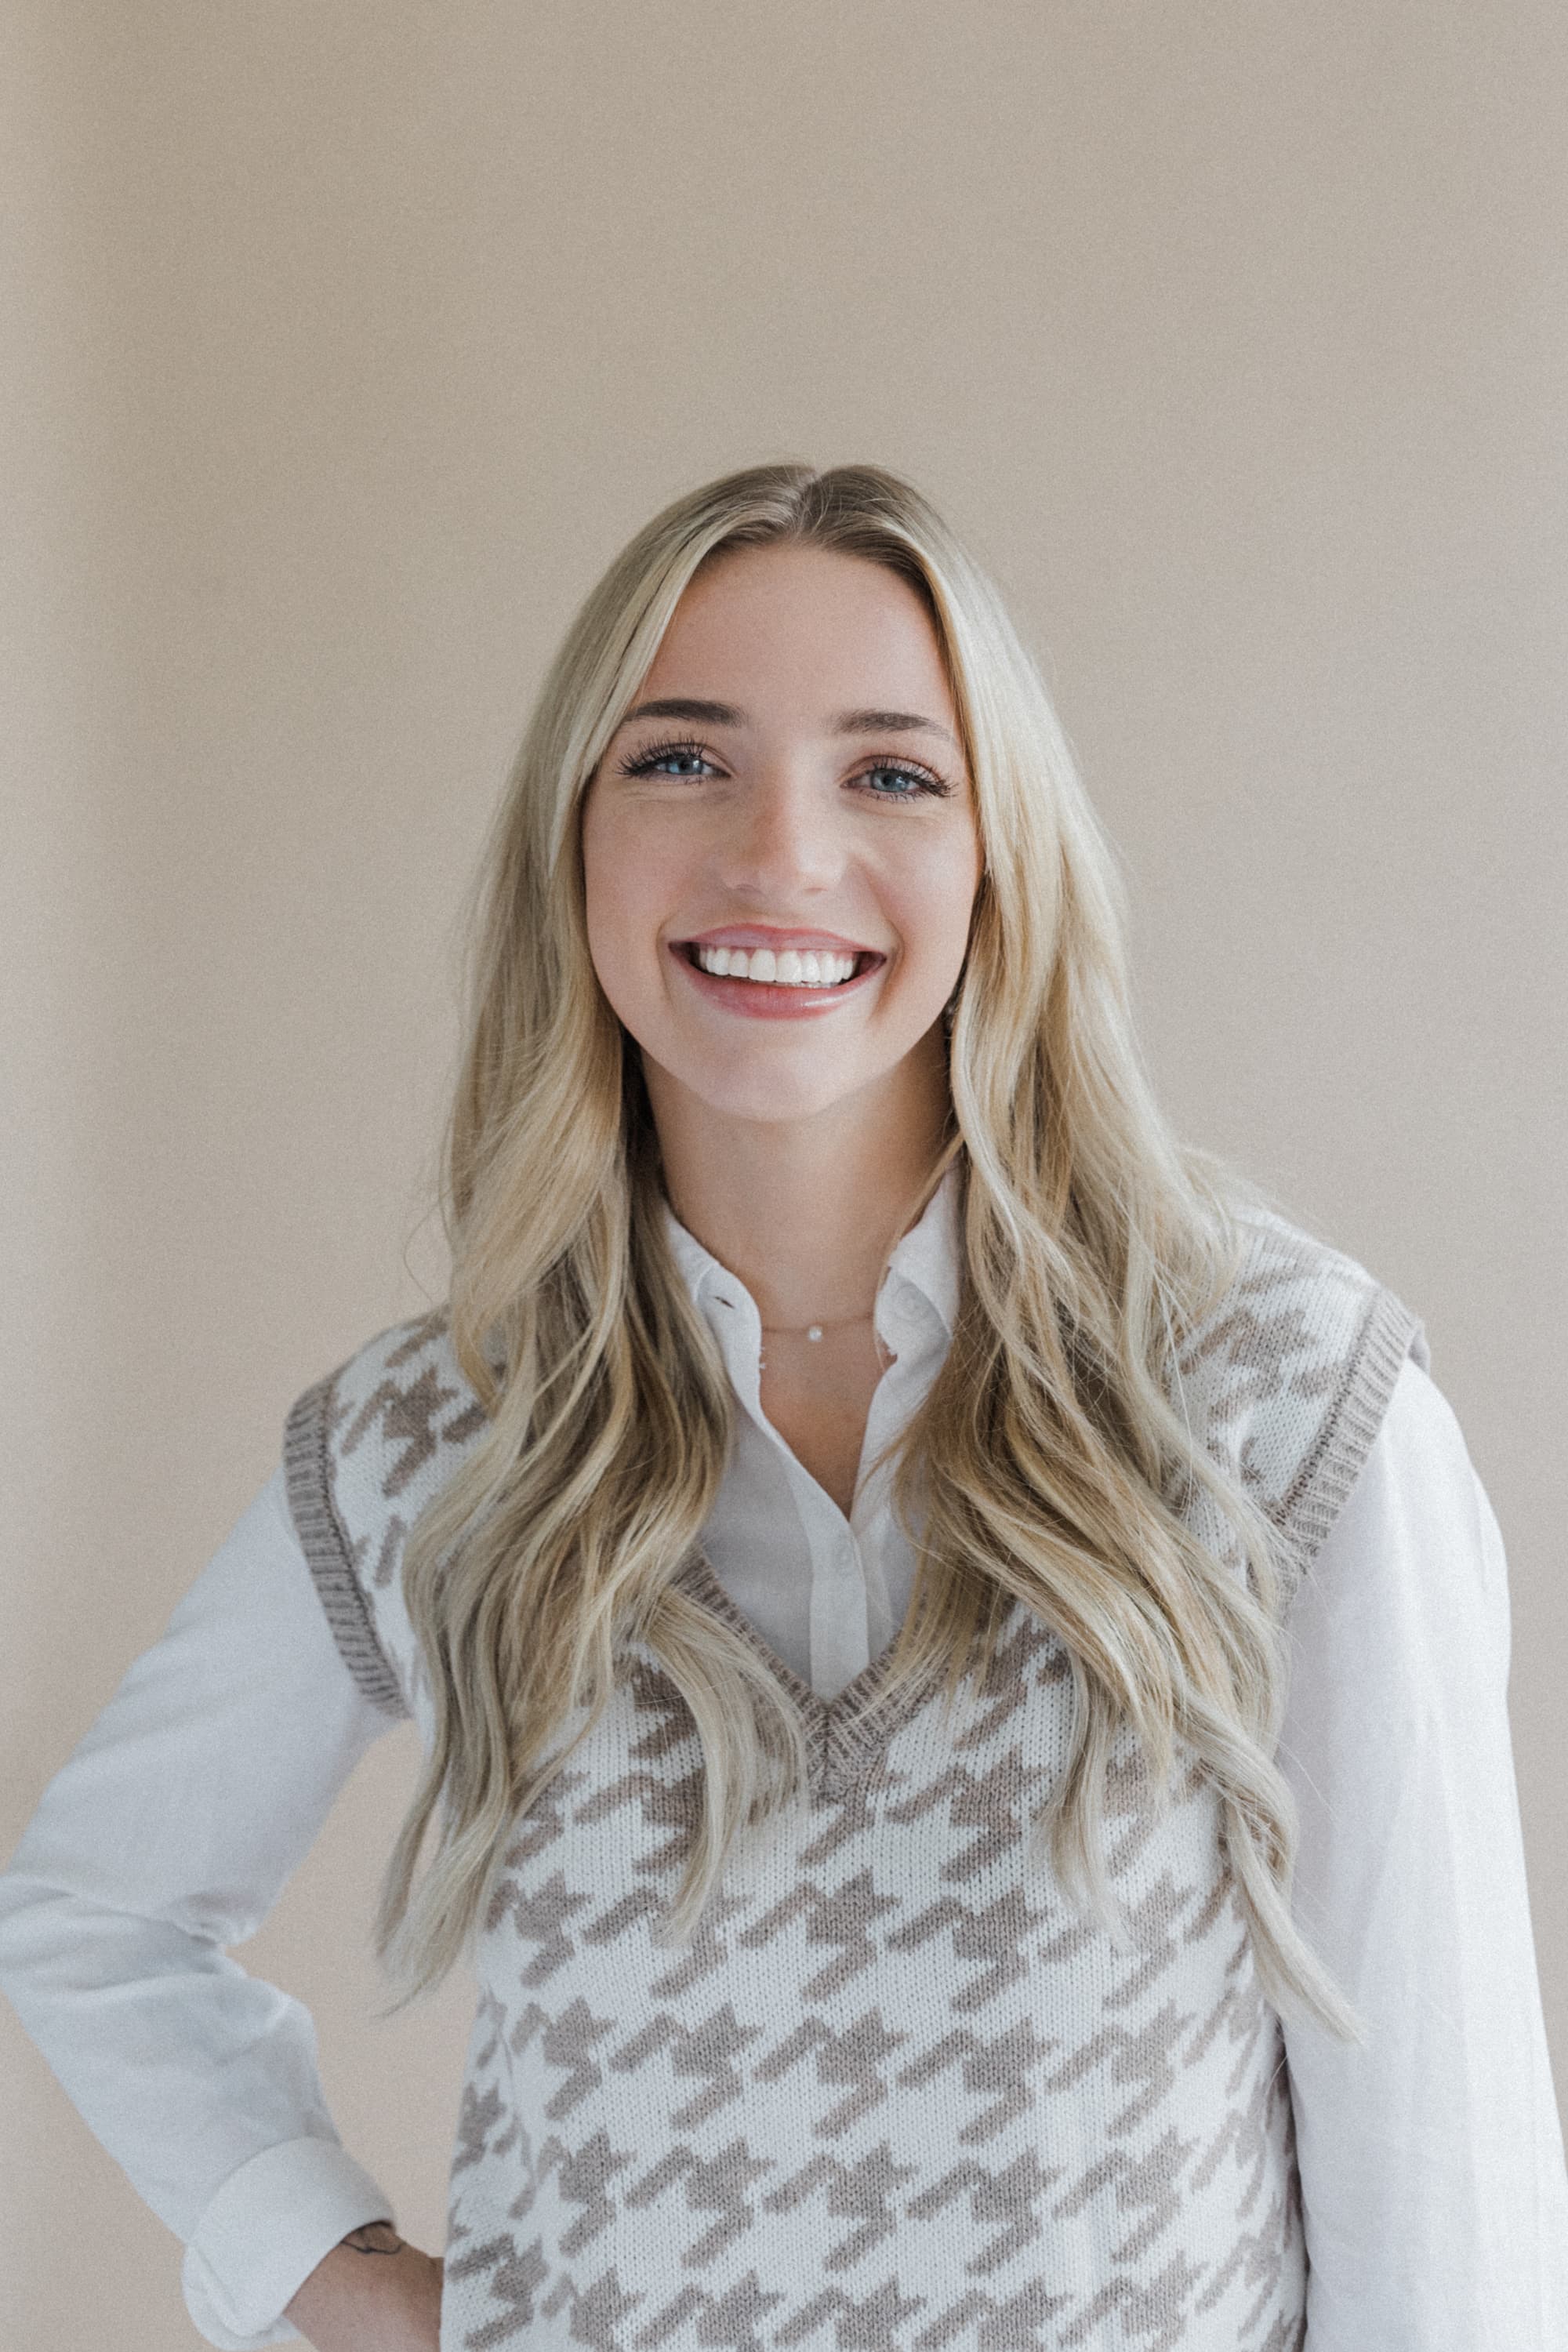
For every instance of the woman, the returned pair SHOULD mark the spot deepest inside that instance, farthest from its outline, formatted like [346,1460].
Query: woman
[960,1657]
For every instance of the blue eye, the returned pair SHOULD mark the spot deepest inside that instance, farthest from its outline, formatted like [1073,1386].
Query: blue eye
[667,759]
[915,783]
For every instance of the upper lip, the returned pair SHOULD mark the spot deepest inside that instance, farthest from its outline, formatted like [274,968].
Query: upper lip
[778,938]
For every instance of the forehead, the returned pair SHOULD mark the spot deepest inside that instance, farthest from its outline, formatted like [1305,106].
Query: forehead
[807,627]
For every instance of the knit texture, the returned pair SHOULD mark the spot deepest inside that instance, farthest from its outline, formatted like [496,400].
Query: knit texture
[897,2091]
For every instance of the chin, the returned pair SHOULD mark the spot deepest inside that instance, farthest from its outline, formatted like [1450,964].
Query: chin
[772,1089]
[769,1104]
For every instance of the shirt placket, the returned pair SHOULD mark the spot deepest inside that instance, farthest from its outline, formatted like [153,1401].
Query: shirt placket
[911,1330]
[839,1633]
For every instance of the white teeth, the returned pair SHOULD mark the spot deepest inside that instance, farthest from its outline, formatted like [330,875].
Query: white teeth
[820,968]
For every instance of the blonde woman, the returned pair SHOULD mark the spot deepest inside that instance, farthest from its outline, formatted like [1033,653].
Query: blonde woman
[961,1655]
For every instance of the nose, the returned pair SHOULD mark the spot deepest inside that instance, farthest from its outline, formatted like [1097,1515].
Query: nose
[781,839]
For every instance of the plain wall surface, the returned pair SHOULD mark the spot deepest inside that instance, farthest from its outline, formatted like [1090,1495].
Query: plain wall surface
[344,346]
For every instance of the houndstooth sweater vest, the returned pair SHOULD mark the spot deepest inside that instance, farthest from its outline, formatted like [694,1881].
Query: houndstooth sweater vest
[898,2091]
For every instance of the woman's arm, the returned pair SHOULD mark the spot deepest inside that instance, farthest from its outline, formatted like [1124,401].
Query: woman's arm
[166,1837]
[1431,2157]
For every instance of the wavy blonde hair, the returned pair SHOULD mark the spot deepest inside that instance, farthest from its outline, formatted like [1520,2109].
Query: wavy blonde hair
[1044,1463]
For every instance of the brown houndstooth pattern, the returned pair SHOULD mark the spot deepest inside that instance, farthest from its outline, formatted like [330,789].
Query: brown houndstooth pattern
[896,2092]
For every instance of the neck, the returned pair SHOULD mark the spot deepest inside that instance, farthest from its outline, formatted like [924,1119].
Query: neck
[805,1212]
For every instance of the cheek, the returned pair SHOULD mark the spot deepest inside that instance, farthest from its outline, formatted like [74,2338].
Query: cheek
[625,899]
[604,871]
[936,897]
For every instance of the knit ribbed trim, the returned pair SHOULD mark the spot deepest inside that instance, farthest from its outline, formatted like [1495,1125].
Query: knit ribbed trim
[1321,1487]
[845,1736]
[308,1471]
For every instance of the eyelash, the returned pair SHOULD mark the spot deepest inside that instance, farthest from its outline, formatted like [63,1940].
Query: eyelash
[929,783]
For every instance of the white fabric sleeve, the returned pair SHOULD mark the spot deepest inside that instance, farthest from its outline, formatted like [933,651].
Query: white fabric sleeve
[166,1836]
[1433,2182]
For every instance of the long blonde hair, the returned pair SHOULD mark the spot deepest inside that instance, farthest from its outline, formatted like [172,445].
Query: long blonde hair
[1044,1460]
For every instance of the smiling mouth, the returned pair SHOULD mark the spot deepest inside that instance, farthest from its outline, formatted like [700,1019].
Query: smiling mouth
[786,967]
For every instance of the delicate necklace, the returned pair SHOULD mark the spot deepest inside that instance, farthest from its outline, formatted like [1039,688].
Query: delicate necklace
[815,1330]
[812,1331]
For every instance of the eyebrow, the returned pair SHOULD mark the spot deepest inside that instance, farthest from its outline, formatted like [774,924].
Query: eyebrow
[848,722]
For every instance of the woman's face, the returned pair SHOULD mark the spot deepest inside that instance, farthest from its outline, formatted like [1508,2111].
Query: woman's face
[779,844]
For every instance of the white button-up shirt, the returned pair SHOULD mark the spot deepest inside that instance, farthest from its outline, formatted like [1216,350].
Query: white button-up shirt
[826,1593]
[1434,2190]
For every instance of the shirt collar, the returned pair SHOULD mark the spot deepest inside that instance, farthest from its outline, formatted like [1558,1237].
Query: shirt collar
[927,1257]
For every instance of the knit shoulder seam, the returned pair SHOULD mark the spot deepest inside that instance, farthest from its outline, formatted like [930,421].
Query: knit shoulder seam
[1390,1331]
[308,1474]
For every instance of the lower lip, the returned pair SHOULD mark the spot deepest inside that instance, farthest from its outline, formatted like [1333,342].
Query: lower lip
[767,1000]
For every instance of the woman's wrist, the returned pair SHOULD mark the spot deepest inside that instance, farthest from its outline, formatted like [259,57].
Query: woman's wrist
[373,2293]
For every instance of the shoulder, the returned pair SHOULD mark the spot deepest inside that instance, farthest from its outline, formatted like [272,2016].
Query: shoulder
[1413,1575]
[366,1448]
[1419,1472]
[1287,1380]
[387,1415]
[1294,1306]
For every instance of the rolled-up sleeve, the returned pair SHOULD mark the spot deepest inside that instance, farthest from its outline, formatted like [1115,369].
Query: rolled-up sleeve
[1434,2187]
[164,1838]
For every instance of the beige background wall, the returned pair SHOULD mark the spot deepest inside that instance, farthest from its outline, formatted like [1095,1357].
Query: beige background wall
[345,343]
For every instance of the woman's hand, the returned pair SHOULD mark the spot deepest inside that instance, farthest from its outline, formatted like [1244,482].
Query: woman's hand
[374,2293]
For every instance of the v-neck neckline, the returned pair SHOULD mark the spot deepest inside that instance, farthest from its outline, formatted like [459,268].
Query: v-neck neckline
[846,1736]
